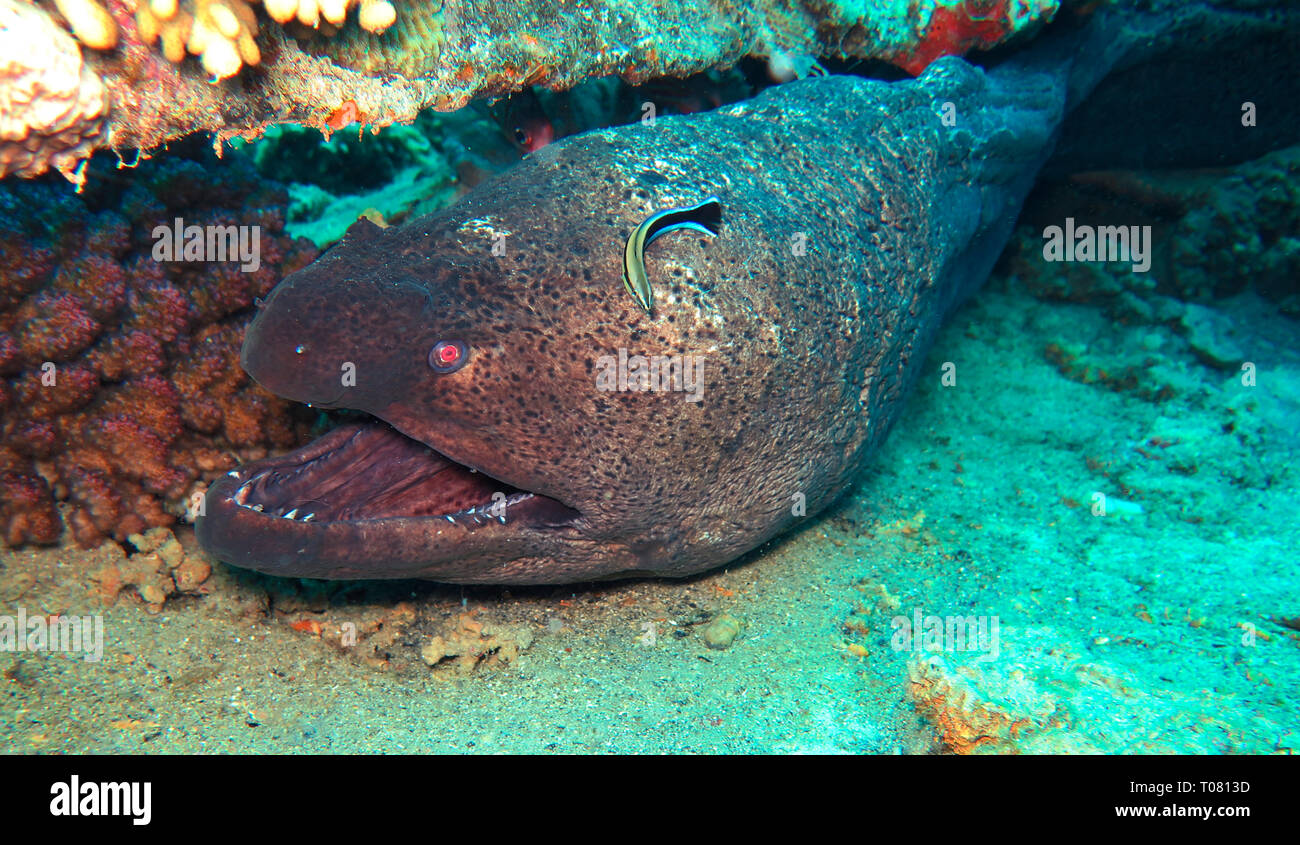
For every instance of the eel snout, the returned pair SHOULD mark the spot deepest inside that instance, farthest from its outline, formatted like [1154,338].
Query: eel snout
[338,342]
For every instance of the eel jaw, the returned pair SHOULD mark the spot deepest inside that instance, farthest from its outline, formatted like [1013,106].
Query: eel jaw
[366,501]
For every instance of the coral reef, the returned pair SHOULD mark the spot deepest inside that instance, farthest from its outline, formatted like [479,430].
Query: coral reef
[410,44]
[222,33]
[406,171]
[389,177]
[342,164]
[121,388]
[389,61]
[1215,233]
[955,27]
[158,569]
[1246,234]
[535,117]
[392,60]
[52,106]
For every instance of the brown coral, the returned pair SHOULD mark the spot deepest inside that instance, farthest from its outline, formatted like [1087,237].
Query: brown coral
[158,569]
[122,390]
[471,643]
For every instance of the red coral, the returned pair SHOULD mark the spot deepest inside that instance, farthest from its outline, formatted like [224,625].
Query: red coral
[49,392]
[23,268]
[27,513]
[54,327]
[120,384]
[959,28]
[96,281]
[126,354]
[156,306]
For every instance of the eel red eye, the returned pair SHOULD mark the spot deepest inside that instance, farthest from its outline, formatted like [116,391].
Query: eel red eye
[448,356]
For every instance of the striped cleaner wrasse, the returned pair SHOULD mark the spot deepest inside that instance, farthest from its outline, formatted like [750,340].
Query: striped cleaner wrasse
[705,218]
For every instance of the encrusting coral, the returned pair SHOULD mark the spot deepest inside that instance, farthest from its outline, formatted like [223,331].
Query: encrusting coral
[393,60]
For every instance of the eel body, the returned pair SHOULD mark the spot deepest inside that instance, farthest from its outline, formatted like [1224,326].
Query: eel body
[574,436]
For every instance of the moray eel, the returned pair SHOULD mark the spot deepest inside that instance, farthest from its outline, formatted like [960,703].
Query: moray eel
[476,338]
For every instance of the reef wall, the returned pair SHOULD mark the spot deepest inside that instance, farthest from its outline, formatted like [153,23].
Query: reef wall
[232,67]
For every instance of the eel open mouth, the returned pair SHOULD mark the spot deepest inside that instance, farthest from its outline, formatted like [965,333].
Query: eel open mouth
[372,471]
[367,501]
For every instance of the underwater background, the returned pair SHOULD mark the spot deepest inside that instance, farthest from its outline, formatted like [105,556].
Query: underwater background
[1082,542]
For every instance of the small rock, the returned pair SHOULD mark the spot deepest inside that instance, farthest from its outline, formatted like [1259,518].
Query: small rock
[1131,309]
[722,631]
[1211,336]
[1166,309]
[1122,509]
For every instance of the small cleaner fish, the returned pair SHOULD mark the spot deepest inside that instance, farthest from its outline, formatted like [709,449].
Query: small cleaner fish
[705,218]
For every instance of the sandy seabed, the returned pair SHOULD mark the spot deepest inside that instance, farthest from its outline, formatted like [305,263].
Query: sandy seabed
[1166,625]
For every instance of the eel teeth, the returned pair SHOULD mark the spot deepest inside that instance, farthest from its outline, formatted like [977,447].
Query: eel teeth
[258,507]
[308,517]
[233,474]
[241,495]
[293,514]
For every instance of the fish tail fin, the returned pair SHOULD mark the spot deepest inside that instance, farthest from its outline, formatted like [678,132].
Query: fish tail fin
[710,214]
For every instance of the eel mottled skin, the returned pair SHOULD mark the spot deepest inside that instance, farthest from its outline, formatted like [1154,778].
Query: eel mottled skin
[854,219]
